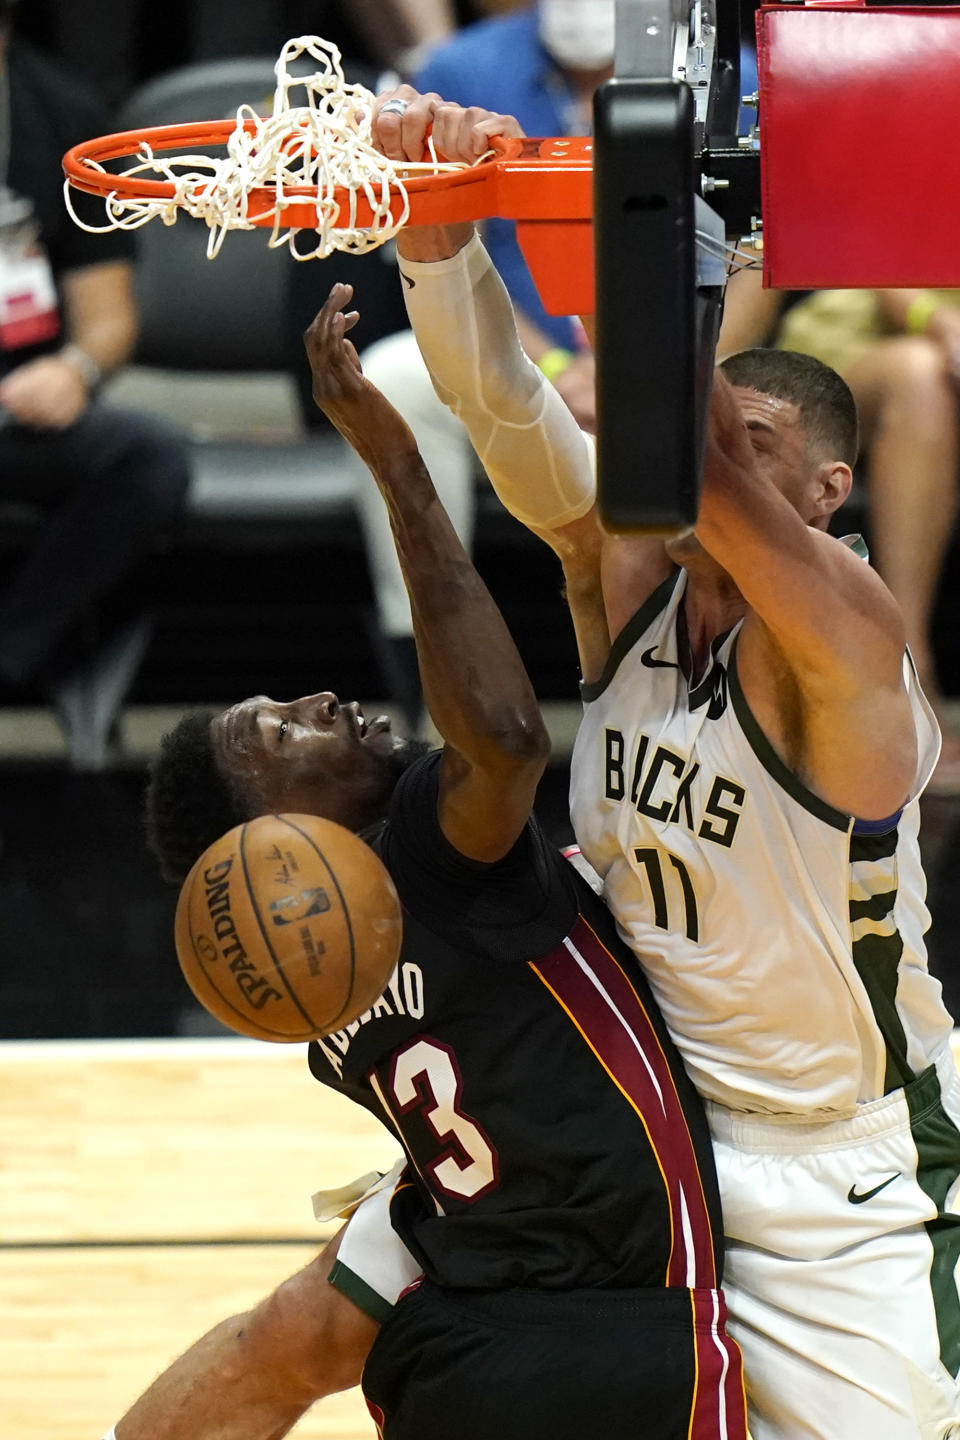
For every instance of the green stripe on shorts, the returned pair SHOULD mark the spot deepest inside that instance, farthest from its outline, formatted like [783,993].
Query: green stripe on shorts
[938,1153]
[359,1292]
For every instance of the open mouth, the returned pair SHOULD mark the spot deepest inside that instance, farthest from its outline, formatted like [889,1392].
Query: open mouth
[365,728]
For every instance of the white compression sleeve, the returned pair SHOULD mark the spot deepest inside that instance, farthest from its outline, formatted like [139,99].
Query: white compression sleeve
[540,462]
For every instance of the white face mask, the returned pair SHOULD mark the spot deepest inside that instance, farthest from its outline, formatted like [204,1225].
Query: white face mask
[578,33]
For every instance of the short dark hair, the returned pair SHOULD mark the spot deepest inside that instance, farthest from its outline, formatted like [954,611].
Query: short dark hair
[190,803]
[827,408]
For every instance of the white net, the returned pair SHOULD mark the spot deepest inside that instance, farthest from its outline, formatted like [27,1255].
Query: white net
[323,143]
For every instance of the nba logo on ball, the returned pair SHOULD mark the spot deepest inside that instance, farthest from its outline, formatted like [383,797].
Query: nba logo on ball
[288,927]
[291,908]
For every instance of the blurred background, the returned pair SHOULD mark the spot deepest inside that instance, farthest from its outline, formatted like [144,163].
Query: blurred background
[258,577]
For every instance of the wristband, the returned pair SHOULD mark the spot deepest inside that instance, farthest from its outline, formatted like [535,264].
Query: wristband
[920,312]
[85,366]
[552,363]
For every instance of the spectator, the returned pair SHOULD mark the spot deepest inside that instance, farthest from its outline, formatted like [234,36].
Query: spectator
[118,44]
[899,351]
[542,65]
[376,32]
[106,482]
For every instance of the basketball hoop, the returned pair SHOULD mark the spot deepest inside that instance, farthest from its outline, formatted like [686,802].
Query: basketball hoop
[353,217]
[309,166]
[313,167]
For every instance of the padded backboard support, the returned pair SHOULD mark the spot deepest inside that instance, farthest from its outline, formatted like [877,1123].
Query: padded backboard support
[859,114]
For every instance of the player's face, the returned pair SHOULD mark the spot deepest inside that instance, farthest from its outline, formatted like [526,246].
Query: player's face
[307,754]
[782,451]
[781,446]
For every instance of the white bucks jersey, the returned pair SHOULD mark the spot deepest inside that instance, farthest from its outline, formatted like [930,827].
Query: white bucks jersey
[783,939]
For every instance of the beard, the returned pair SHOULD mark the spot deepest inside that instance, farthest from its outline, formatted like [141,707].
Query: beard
[403,755]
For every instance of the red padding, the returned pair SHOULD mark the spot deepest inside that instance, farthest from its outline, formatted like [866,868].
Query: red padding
[859,117]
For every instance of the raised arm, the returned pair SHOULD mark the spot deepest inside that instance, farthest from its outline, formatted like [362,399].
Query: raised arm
[822,647]
[540,463]
[474,682]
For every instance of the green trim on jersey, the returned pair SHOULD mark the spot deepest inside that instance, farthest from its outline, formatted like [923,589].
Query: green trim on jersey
[771,761]
[640,621]
[938,1164]
[361,1294]
[876,945]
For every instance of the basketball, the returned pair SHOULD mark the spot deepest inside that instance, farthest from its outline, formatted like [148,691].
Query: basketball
[288,928]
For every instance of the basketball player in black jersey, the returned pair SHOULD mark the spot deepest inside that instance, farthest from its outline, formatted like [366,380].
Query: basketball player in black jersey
[560,1196]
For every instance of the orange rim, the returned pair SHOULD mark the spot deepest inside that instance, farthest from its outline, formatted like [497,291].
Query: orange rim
[526,179]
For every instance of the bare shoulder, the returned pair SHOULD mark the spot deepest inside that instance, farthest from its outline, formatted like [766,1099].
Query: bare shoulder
[837,713]
[847,557]
[838,626]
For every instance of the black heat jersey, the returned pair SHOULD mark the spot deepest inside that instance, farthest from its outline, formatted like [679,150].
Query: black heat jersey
[517,1053]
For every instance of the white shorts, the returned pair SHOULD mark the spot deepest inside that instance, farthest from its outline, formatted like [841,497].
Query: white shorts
[841,1265]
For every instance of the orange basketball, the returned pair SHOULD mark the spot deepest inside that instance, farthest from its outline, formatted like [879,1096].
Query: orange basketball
[288,928]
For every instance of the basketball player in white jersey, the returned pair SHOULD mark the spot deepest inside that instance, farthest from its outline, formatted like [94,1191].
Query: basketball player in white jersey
[752,704]
[746,783]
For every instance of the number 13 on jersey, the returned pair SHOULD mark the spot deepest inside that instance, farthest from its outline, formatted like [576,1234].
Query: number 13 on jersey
[425,1077]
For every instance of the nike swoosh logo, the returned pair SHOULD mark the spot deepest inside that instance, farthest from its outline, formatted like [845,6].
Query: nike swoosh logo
[410,284]
[647,658]
[857,1197]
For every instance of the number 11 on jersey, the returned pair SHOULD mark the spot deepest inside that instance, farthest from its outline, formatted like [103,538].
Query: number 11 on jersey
[651,859]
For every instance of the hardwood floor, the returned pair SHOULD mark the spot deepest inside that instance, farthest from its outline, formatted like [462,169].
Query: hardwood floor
[148,1189]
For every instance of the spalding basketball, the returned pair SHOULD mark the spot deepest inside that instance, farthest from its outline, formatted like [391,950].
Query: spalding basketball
[288,928]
